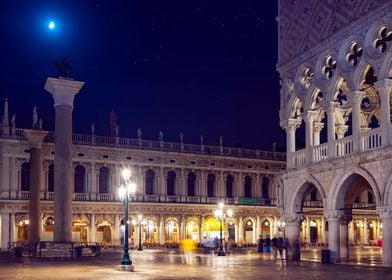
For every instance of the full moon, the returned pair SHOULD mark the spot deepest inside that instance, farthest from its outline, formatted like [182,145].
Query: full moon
[51,25]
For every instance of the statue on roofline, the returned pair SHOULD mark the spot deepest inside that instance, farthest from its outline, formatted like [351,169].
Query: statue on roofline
[64,68]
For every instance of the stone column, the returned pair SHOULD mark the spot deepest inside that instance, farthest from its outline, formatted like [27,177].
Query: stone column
[344,243]
[317,127]
[182,228]
[241,230]
[63,92]
[258,227]
[116,238]
[355,98]
[5,178]
[6,122]
[384,87]
[385,213]
[221,186]
[365,238]
[331,108]
[290,127]
[93,228]
[309,120]
[333,218]
[5,230]
[292,231]
[161,227]
[35,138]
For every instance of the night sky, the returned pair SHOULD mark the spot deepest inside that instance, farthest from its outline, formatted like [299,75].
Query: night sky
[177,66]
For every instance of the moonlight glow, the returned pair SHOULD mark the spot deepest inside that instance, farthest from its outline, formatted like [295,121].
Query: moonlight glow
[51,25]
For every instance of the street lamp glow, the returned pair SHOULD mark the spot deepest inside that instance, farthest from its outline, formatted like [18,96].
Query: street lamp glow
[221,216]
[51,25]
[126,192]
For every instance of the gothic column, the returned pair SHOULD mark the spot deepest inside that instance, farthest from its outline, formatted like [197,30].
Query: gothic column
[355,98]
[63,92]
[317,127]
[258,227]
[344,243]
[331,109]
[292,231]
[35,138]
[384,87]
[309,120]
[385,213]
[290,127]
[333,218]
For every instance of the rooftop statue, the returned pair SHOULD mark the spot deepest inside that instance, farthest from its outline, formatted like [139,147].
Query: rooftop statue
[64,68]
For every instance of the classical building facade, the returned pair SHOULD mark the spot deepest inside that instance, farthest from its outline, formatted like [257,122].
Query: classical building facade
[335,67]
[178,187]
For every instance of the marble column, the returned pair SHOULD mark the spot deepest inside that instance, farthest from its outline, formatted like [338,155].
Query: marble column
[309,120]
[93,229]
[385,213]
[117,235]
[333,218]
[344,243]
[317,127]
[290,127]
[292,231]
[63,92]
[384,88]
[355,98]
[331,108]
[35,138]
[5,230]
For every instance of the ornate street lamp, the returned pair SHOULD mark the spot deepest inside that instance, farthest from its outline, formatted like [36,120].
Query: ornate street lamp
[140,223]
[221,216]
[126,192]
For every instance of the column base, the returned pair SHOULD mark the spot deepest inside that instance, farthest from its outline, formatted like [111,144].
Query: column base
[125,267]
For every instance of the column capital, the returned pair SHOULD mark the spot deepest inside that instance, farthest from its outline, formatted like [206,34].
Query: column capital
[291,123]
[63,90]
[341,130]
[383,85]
[385,212]
[309,116]
[356,96]
[317,127]
[330,107]
[292,219]
[333,214]
[35,137]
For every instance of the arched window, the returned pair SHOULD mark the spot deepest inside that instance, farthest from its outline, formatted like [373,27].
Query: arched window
[51,178]
[79,176]
[150,175]
[25,177]
[265,188]
[191,183]
[104,176]
[171,180]
[211,185]
[248,186]
[229,186]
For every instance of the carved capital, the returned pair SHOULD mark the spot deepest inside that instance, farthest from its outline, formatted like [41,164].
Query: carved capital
[292,219]
[317,127]
[385,212]
[383,86]
[291,123]
[341,130]
[334,214]
[35,137]
[330,107]
[356,96]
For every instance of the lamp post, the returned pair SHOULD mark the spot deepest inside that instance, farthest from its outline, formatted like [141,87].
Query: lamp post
[126,191]
[140,223]
[221,216]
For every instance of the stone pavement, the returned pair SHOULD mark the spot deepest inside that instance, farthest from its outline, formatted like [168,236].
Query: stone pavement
[151,264]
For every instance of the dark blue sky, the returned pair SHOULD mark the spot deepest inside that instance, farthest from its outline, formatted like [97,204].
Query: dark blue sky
[177,66]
